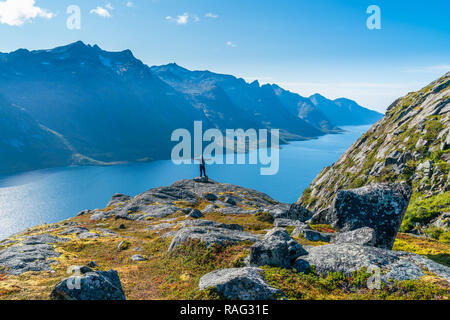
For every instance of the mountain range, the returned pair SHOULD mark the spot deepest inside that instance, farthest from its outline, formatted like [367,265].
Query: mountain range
[79,104]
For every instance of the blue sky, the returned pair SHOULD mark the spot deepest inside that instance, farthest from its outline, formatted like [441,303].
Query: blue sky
[306,46]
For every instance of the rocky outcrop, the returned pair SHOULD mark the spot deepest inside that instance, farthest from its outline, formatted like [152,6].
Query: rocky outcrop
[408,144]
[33,253]
[89,285]
[276,249]
[377,206]
[362,236]
[210,233]
[164,201]
[239,284]
[289,211]
[346,258]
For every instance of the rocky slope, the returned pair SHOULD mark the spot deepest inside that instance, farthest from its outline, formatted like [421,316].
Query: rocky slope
[411,144]
[199,239]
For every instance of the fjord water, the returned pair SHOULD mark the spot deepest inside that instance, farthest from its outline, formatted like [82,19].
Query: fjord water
[48,196]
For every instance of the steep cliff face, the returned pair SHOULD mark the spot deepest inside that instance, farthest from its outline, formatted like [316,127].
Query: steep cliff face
[411,143]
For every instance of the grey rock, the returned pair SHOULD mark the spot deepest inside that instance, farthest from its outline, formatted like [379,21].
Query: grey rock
[138,257]
[202,180]
[210,196]
[298,212]
[118,198]
[34,253]
[239,284]
[321,216]
[235,210]
[123,245]
[213,234]
[230,200]
[209,223]
[378,206]
[92,264]
[363,236]
[346,258]
[443,221]
[421,143]
[278,211]
[446,143]
[99,216]
[74,230]
[276,249]
[160,226]
[299,228]
[209,209]
[99,285]
[313,235]
[83,212]
[88,235]
[282,222]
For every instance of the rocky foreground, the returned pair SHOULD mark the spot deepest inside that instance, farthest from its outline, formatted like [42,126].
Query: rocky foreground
[199,239]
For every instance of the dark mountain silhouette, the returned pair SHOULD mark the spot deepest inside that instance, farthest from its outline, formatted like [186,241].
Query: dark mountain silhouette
[109,106]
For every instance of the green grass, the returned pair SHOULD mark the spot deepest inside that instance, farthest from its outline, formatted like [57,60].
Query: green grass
[422,210]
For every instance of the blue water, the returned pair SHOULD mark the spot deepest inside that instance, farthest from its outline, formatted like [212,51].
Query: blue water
[48,196]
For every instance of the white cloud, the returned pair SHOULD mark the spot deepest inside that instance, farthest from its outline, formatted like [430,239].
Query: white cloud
[231,44]
[211,15]
[181,19]
[109,6]
[18,12]
[102,12]
[130,4]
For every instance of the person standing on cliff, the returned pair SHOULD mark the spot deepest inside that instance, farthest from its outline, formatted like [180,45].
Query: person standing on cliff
[202,166]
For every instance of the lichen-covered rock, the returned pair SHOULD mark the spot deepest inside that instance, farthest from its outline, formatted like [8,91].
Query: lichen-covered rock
[195,213]
[313,235]
[211,233]
[403,145]
[138,257]
[298,212]
[282,222]
[210,196]
[363,236]
[276,249]
[346,258]
[90,285]
[34,253]
[378,206]
[239,284]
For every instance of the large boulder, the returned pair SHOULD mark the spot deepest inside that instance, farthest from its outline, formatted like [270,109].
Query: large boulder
[239,284]
[363,236]
[276,249]
[298,212]
[210,233]
[346,258]
[378,206]
[89,285]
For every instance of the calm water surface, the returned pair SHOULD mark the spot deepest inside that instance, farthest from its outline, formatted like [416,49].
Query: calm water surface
[48,196]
